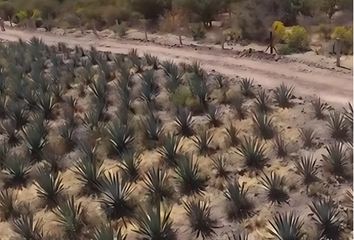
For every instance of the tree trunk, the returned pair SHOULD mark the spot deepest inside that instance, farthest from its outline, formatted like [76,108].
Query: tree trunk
[117,22]
[146,35]
[82,31]
[10,21]
[94,28]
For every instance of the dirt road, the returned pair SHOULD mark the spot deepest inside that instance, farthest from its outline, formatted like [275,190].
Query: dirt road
[333,85]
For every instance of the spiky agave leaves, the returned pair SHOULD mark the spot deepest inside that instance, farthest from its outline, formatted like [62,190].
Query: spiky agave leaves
[263,124]
[8,204]
[107,232]
[89,170]
[237,104]
[199,216]
[319,108]
[152,61]
[336,157]
[220,80]
[152,129]
[116,201]
[280,146]
[36,138]
[67,130]
[46,103]
[286,226]
[262,101]
[348,114]
[233,133]
[326,212]
[240,236]
[150,88]
[69,216]
[190,179]
[17,169]
[154,223]
[100,90]
[135,60]
[184,122]
[202,142]
[158,186]
[338,126]
[19,115]
[307,135]
[27,228]
[253,153]
[199,88]
[49,187]
[121,137]
[238,205]
[130,163]
[246,87]
[169,149]
[275,188]
[174,76]
[12,134]
[213,116]
[220,166]
[307,168]
[282,95]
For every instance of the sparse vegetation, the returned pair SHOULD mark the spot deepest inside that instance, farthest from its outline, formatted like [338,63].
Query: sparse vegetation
[282,95]
[274,185]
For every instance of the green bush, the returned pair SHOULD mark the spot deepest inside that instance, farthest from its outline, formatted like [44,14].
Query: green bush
[279,31]
[120,29]
[346,36]
[198,32]
[182,96]
[22,15]
[284,49]
[298,39]
[325,31]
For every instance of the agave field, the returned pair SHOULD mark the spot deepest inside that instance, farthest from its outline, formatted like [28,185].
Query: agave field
[96,145]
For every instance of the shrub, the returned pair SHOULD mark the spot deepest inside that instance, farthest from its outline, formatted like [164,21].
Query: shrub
[336,157]
[279,31]
[307,168]
[287,226]
[27,227]
[263,125]
[252,150]
[282,95]
[346,36]
[307,135]
[298,39]
[274,186]
[221,168]
[325,31]
[280,146]
[198,32]
[338,126]
[120,29]
[319,108]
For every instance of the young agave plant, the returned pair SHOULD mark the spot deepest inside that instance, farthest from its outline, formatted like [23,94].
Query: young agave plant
[307,135]
[116,199]
[49,187]
[263,125]
[174,77]
[69,217]
[233,133]
[262,101]
[183,119]
[152,61]
[36,138]
[19,115]
[338,126]
[202,142]
[326,213]
[46,102]
[17,168]
[170,148]
[274,186]
[189,177]
[237,104]
[199,215]
[240,236]
[336,157]
[3,109]
[8,204]
[154,223]
[158,185]
[286,226]
[280,146]
[199,88]
[214,116]
[52,159]
[27,228]
[246,87]
[152,129]
[120,136]
[220,80]
[13,138]
[130,164]
[67,130]
[348,114]
[319,108]
[282,95]
[252,151]
[134,58]
[307,168]
[221,167]
[238,205]
[89,171]
[107,232]
[150,88]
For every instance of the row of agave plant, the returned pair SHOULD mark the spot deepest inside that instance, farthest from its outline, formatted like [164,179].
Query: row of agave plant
[34,82]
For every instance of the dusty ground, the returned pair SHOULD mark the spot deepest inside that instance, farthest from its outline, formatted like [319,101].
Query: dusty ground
[311,75]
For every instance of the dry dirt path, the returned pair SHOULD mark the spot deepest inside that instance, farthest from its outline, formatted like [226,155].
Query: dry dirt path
[333,85]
